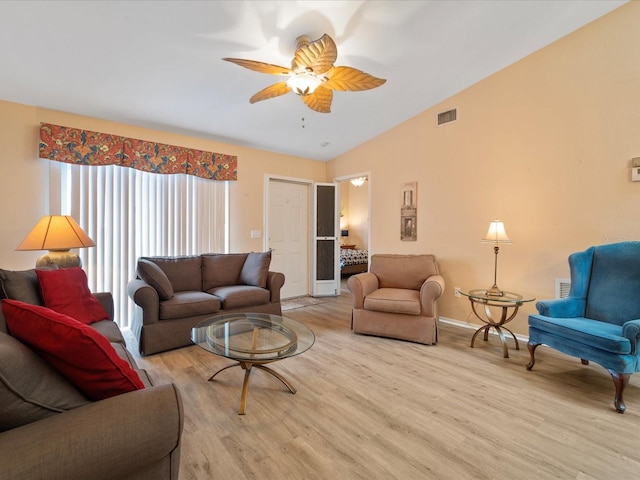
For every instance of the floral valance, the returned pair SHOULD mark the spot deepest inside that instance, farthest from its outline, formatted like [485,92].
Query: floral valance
[83,147]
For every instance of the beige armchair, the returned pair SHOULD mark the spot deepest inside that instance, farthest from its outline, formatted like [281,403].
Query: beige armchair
[397,297]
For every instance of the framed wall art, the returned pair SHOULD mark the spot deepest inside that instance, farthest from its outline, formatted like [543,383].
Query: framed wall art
[408,212]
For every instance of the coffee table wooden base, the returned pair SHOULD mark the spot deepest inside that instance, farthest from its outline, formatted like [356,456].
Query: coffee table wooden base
[247,367]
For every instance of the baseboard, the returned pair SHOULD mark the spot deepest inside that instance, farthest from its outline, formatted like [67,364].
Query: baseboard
[473,326]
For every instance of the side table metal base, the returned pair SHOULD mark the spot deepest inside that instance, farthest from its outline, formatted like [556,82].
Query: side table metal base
[507,304]
[497,328]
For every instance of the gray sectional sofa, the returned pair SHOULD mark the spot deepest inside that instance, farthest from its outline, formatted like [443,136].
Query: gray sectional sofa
[50,430]
[172,294]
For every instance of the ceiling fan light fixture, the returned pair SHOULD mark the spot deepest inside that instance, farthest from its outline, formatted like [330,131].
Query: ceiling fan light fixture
[304,83]
[313,75]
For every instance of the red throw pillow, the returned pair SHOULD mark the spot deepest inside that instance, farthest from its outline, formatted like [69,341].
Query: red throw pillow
[77,351]
[66,291]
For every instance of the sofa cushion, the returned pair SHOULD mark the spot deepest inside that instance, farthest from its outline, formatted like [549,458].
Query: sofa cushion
[66,291]
[403,271]
[600,335]
[255,269]
[187,304]
[394,300]
[20,285]
[154,276]
[110,330]
[240,296]
[184,272]
[80,353]
[30,388]
[221,269]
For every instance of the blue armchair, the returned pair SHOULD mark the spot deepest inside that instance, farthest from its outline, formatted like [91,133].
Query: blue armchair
[600,319]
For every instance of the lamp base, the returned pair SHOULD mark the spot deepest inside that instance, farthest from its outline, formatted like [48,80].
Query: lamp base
[62,259]
[495,291]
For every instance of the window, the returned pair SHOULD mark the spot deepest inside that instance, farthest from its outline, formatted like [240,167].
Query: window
[130,213]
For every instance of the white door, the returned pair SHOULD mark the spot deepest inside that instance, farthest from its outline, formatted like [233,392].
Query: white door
[288,235]
[326,266]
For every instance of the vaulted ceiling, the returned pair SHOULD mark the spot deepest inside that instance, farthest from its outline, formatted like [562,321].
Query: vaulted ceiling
[159,64]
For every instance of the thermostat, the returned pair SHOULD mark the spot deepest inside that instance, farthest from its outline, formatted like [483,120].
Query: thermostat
[635,169]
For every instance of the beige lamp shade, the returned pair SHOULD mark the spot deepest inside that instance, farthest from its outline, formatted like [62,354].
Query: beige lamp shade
[496,234]
[58,234]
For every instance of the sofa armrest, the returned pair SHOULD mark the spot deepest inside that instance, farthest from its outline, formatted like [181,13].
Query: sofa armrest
[562,308]
[146,297]
[631,330]
[361,285]
[431,290]
[112,438]
[275,281]
[106,300]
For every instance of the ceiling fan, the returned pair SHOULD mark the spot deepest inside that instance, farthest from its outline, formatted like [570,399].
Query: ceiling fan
[312,75]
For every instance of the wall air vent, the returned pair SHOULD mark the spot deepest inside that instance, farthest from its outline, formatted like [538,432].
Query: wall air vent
[563,285]
[448,116]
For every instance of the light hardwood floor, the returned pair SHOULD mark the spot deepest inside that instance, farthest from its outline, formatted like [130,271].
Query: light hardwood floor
[374,408]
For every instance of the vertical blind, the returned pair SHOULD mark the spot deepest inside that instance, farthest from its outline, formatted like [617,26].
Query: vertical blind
[130,213]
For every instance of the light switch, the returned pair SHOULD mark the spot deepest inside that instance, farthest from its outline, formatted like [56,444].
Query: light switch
[256,233]
[635,174]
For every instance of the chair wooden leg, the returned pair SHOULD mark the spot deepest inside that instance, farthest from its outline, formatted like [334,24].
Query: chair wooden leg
[532,349]
[620,380]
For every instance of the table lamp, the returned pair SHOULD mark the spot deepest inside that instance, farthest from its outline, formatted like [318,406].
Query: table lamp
[58,234]
[496,235]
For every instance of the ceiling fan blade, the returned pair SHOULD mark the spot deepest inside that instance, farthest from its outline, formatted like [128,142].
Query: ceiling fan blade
[317,56]
[272,91]
[259,66]
[320,100]
[350,79]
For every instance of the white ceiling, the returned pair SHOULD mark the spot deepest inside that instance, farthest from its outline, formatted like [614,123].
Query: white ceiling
[158,64]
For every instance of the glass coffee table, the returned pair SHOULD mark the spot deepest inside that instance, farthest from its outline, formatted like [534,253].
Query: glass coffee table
[253,340]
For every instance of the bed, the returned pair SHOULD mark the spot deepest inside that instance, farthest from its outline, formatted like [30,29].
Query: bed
[353,261]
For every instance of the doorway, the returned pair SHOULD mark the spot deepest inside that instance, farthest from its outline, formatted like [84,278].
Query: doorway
[355,205]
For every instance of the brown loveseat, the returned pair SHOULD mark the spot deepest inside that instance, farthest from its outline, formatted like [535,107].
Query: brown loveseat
[397,298]
[50,430]
[172,294]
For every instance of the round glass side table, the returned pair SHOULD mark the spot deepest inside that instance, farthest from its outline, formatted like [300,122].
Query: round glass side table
[508,304]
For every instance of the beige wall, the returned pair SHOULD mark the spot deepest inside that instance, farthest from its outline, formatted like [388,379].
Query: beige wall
[24,177]
[354,214]
[358,215]
[343,188]
[544,145]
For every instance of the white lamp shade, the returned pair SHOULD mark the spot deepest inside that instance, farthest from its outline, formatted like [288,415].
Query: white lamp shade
[56,233]
[496,234]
